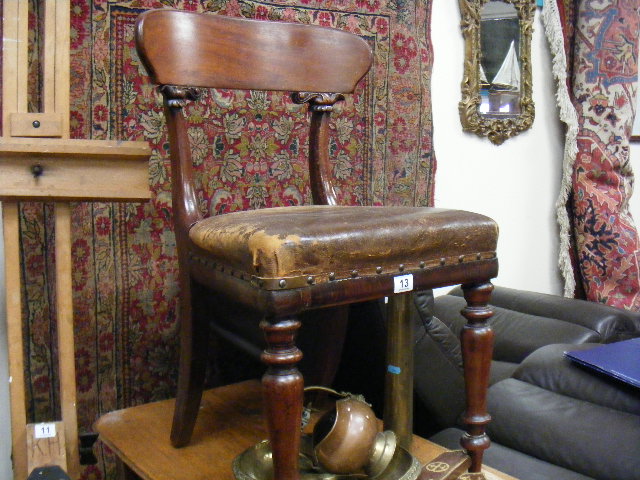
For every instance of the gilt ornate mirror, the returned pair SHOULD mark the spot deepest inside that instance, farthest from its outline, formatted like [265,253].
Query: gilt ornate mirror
[496,87]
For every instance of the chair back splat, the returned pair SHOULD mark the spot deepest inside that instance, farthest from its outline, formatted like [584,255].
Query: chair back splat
[213,51]
[284,261]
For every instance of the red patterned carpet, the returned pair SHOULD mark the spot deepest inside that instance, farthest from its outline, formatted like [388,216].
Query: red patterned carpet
[250,152]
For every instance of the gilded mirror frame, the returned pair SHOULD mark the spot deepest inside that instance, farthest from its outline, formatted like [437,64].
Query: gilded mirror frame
[497,129]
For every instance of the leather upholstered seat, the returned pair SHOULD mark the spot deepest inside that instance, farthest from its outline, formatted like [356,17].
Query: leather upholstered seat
[287,260]
[295,247]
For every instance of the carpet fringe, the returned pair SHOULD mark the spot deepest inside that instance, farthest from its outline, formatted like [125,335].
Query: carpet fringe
[568,115]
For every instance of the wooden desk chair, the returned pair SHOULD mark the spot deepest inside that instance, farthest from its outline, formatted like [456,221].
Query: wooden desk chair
[286,260]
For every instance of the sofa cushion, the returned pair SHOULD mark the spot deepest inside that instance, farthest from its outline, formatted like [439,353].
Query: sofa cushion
[509,461]
[548,368]
[612,324]
[516,334]
[590,439]
[501,370]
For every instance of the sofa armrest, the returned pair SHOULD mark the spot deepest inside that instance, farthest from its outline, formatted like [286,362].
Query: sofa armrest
[612,324]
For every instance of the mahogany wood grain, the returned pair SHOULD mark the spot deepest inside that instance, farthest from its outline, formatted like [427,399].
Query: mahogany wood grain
[477,349]
[184,199]
[193,326]
[182,51]
[283,390]
[320,174]
[194,339]
[280,56]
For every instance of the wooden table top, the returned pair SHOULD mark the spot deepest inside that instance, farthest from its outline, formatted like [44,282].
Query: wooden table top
[229,422]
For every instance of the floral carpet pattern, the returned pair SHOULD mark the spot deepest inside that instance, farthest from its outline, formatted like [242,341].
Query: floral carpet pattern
[250,152]
[595,60]
[604,88]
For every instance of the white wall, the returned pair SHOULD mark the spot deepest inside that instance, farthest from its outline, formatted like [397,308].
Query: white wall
[515,183]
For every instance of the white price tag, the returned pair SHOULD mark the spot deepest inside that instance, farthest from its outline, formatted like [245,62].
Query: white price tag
[403,283]
[44,430]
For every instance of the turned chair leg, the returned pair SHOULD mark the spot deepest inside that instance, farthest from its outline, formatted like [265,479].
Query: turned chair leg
[283,389]
[477,350]
[194,338]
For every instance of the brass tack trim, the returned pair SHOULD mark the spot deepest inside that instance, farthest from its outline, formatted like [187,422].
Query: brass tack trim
[307,280]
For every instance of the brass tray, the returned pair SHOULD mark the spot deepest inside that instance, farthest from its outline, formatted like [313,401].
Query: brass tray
[255,464]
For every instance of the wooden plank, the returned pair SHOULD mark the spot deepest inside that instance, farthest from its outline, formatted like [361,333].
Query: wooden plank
[66,351]
[74,179]
[49,59]
[11,225]
[230,420]
[9,59]
[61,68]
[65,147]
[35,125]
[46,445]
[74,169]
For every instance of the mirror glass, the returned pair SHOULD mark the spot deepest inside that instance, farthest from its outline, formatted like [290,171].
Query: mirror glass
[499,67]
[497,84]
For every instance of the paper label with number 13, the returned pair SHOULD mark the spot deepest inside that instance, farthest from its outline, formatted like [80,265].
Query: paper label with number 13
[403,283]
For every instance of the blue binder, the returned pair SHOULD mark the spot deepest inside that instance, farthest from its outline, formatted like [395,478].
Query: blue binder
[620,360]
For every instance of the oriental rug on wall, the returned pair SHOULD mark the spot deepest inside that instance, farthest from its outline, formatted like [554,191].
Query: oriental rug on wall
[246,156]
[599,43]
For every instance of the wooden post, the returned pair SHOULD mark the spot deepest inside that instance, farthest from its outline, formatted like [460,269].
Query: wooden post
[66,354]
[11,227]
[398,389]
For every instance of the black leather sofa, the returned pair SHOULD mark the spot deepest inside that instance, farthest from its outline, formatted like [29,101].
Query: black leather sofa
[551,418]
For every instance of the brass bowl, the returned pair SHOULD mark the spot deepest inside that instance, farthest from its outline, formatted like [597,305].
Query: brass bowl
[256,463]
[344,437]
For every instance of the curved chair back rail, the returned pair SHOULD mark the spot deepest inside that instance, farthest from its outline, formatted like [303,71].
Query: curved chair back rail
[249,54]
